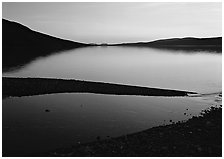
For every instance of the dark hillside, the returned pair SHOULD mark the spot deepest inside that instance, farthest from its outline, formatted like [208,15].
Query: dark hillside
[21,45]
[188,44]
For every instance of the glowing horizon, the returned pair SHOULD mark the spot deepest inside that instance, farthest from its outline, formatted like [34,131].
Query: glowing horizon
[118,22]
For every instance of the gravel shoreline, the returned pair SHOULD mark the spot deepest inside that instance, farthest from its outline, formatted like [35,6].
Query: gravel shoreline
[199,136]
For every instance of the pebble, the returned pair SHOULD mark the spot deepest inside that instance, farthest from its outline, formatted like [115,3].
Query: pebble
[47,110]
[164,148]
[98,137]
[208,123]
[199,149]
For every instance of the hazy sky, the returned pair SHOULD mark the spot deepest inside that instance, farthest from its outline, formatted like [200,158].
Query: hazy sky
[118,22]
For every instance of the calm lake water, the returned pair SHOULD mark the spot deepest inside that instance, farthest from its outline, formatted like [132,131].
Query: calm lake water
[74,118]
[192,71]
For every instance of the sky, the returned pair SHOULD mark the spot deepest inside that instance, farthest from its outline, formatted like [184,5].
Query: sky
[98,22]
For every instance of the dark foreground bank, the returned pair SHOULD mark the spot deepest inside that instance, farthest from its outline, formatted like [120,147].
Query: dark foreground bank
[36,86]
[199,136]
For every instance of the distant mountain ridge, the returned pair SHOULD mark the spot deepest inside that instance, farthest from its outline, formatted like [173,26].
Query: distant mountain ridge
[217,41]
[213,44]
[188,41]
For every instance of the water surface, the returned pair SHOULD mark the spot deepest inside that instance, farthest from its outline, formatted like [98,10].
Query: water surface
[74,118]
[79,118]
[183,70]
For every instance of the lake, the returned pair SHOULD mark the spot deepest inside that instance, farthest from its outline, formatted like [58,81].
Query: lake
[82,117]
[193,71]
[79,118]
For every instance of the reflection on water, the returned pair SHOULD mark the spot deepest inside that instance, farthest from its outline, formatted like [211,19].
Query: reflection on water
[42,123]
[192,71]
